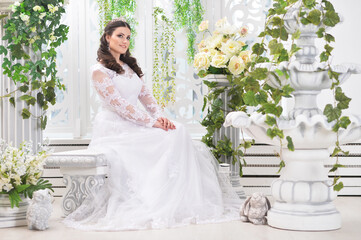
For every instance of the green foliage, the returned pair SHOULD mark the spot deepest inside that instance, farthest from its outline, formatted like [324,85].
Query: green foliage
[110,9]
[188,14]
[26,190]
[34,27]
[163,58]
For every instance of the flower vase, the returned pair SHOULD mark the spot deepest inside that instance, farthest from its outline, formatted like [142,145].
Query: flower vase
[12,217]
[219,78]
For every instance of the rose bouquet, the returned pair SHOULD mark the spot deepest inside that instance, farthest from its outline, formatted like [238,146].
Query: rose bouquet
[223,52]
[20,171]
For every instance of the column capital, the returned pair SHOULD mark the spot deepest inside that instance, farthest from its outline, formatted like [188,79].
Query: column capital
[4,5]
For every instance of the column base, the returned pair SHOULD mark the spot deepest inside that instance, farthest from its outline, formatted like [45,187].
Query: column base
[301,217]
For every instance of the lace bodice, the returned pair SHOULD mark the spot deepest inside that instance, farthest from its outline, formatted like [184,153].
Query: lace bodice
[120,92]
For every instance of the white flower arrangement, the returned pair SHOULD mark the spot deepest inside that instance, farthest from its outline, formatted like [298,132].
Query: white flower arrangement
[21,170]
[223,52]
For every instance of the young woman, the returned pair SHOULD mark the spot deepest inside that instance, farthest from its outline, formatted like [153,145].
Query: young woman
[158,177]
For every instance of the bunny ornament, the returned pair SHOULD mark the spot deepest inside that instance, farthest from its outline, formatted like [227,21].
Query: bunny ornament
[255,208]
[39,210]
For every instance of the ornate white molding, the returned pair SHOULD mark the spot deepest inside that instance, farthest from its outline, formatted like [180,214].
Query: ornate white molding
[83,172]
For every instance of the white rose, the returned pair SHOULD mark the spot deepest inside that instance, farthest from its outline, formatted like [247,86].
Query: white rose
[246,56]
[203,26]
[221,22]
[201,61]
[37,8]
[231,47]
[236,65]
[202,45]
[228,30]
[24,17]
[215,41]
[219,60]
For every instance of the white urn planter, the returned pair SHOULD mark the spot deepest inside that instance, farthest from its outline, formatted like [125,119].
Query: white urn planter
[303,194]
[12,217]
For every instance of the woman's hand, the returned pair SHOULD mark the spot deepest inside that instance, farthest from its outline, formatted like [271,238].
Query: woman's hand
[164,124]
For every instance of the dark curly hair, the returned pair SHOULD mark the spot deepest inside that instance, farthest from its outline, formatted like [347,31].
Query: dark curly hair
[107,59]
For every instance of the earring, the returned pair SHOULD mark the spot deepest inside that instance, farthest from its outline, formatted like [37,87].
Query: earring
[108,46]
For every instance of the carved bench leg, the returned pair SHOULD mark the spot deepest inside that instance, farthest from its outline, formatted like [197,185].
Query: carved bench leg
[79,184]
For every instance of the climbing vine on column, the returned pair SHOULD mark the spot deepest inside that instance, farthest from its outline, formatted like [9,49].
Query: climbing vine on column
[33,28]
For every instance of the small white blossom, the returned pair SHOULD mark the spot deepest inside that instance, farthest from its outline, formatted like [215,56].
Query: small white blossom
[42,15]
[52,9]
[37,8]
[24,17]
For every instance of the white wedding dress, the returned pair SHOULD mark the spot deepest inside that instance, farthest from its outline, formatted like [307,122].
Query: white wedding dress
[157,178]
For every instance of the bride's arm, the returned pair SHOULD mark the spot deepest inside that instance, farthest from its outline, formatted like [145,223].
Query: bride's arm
[112,98]
[149,102]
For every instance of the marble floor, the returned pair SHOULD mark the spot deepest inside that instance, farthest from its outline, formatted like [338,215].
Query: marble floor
[350,208]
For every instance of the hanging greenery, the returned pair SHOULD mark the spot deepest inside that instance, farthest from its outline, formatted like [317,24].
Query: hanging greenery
[163,58]
[110,9]
[188,14]
[34,28]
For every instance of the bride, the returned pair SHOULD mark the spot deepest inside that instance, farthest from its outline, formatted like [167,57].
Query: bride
[158,177]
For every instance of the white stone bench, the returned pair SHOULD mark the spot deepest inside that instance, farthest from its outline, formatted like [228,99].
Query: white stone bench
[83,171]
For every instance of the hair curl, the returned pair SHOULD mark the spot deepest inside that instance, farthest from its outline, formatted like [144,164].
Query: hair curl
[107,59]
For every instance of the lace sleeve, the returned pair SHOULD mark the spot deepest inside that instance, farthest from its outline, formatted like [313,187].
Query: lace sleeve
[112,99]
[149,102]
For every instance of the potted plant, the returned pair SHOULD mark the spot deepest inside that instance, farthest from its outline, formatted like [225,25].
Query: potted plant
[223,56]
[20,177]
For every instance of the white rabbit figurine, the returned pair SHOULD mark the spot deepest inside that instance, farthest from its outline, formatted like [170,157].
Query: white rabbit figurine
[255,208]
[39,210]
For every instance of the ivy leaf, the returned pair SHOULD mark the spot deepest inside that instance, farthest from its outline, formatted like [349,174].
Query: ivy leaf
[275,47]
[309,3]
[25,113]
[344,122]
[258,49]
[320,32]
[329,38]
[328,49]
[338,186]
[3,50]
[284,34]
[324,57]
[296,35]
[290,145]
[249,98]
[343,100]
[331,18]
[260,73]
[270,121]
[12,101]
[24,88]
[331,113]
[43,122]
[314,17]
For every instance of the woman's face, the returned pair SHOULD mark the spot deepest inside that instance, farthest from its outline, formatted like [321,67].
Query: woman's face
[119,40]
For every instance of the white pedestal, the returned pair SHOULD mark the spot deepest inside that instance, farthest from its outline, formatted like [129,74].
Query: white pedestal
[303,193]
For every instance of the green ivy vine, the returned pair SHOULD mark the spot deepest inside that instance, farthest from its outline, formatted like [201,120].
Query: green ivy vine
[188,14]
[34,26]
[110,9]
[163,58]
